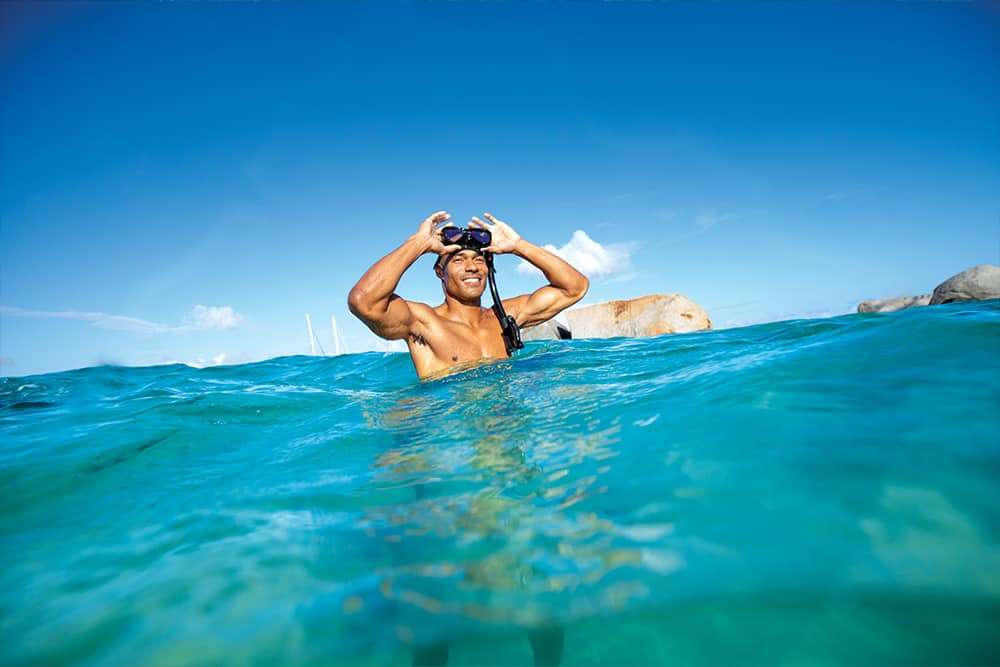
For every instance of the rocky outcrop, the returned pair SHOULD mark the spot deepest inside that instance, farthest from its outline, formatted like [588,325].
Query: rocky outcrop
[979,283]
[890,305]
[646,316]
[551,330]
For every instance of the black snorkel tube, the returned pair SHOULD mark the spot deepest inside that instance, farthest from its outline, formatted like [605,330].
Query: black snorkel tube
[508,325]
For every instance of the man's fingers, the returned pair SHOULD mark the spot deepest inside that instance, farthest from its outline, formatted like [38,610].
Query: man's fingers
[436,218]
[497,223]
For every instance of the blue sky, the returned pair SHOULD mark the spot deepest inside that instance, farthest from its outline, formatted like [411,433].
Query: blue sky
[183,181]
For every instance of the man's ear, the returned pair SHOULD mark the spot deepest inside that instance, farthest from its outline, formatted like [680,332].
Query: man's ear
[439,269]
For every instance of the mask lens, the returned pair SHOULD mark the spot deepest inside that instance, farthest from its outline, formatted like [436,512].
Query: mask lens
[480,236]
[452,234]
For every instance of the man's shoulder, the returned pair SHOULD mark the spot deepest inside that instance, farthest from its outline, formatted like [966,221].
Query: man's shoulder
[421,311]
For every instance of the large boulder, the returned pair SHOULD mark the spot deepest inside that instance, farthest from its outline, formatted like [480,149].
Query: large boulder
[551,330]
[979,283]
[890,305]
[646,316]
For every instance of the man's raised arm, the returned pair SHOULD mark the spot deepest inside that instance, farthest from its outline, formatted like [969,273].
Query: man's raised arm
[566,284]
[373,299]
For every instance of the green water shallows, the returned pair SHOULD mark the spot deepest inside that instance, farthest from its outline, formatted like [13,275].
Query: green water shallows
[810,492]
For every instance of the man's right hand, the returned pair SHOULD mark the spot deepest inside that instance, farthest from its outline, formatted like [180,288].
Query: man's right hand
[430,231]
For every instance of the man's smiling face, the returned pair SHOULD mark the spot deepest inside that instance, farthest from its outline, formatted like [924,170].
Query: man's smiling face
[464,275]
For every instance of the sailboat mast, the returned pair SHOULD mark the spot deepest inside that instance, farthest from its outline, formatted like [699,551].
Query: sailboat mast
[312,338]
[338,341]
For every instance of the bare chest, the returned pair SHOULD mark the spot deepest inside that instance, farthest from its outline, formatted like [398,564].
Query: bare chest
[460,342]
[448,342]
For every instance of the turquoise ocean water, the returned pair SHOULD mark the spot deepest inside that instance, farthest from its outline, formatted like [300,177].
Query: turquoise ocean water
[822,492]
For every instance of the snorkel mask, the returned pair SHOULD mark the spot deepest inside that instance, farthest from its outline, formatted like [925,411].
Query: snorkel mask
[476,238]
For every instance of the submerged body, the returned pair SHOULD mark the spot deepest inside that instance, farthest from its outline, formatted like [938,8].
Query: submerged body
[461,331]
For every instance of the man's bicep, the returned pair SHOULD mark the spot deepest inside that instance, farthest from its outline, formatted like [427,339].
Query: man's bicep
[395,322]
[540,306]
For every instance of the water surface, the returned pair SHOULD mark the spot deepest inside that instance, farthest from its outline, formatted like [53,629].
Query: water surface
[806,492]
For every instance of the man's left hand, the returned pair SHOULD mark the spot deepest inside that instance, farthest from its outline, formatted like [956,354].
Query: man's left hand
[504,236]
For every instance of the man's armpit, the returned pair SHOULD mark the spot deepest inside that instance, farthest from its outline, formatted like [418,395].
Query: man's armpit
[422,318]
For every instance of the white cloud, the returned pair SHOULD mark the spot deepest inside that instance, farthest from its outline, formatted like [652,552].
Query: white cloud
[201,318]
[221,359]
[102,320]
[590,257]
[708,218]
[841,195]
[214,317]
[217,360]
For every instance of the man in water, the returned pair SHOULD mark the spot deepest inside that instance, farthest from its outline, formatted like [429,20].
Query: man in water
[460,330]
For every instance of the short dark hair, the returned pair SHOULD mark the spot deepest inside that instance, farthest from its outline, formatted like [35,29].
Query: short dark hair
[438,262]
